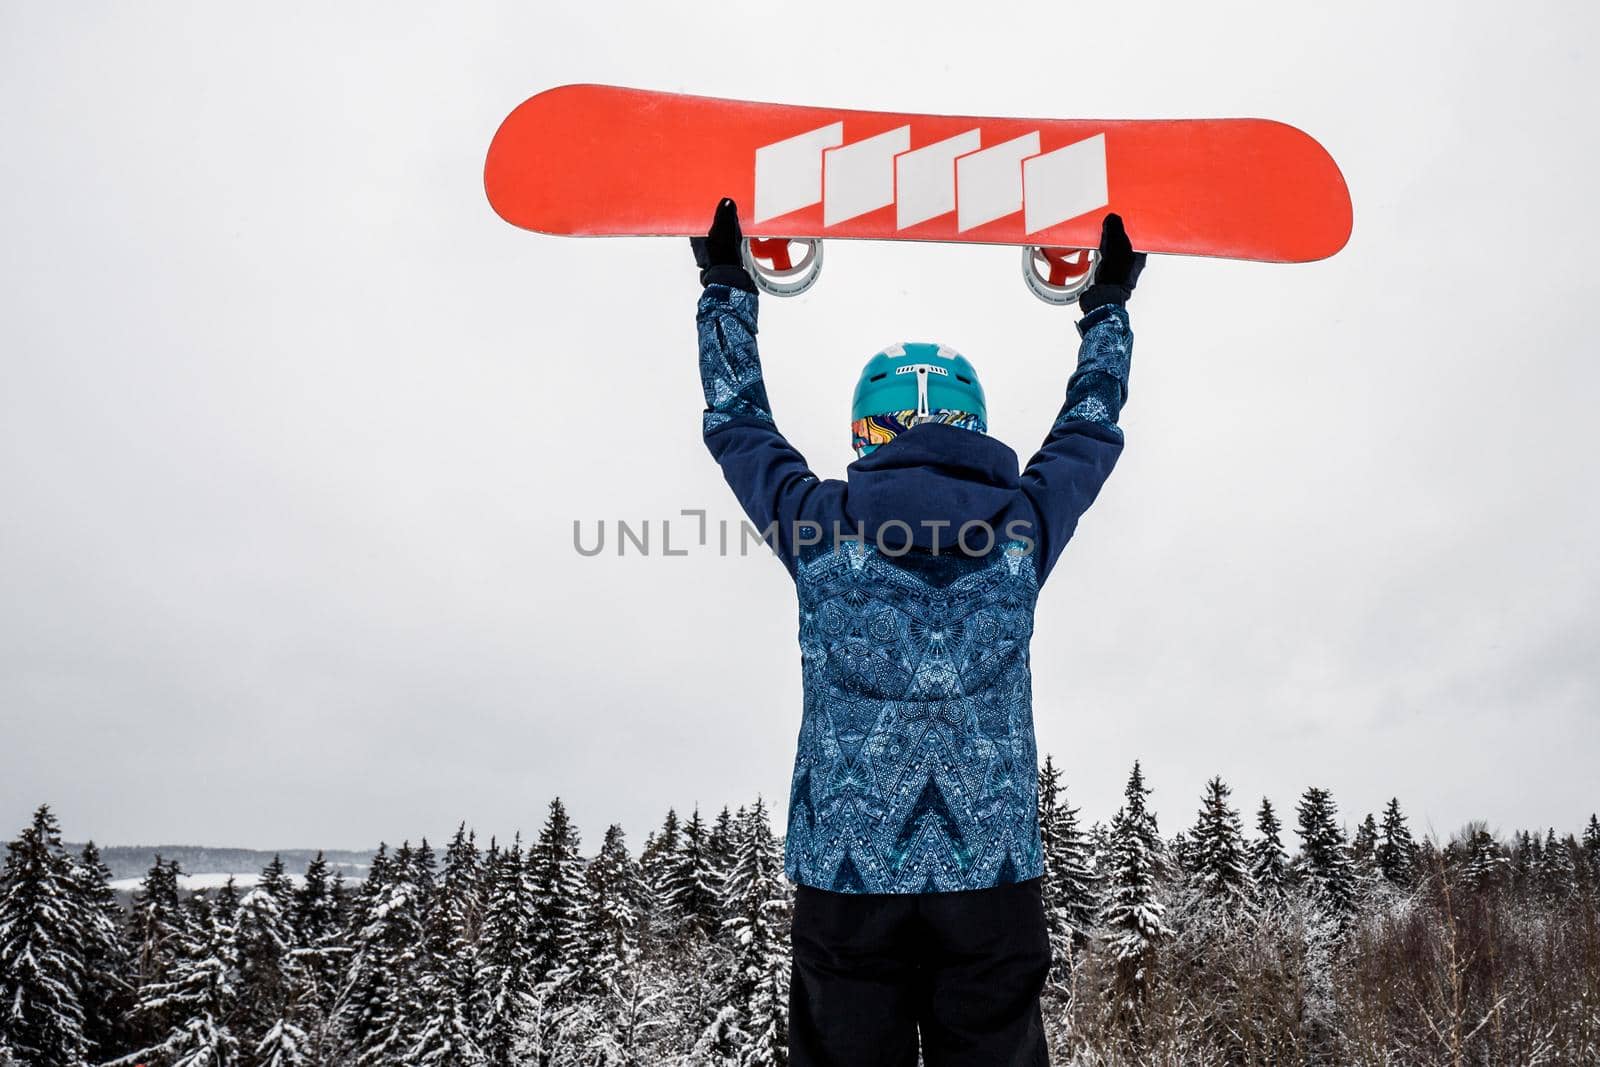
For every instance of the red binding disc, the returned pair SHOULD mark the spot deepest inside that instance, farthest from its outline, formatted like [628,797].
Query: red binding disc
[1067,265]
[775,249]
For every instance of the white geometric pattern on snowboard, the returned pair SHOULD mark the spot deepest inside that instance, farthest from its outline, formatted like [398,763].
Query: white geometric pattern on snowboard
[859,177]
[953,174]
[789,172]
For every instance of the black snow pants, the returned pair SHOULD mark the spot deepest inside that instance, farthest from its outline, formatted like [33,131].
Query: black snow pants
[964,970]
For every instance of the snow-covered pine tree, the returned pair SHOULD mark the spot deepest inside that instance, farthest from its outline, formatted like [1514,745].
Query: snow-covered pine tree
[198,1000]
[555,873]
[107,992]
[721,842]
[41,962]
[1364,848]
[1099,848]
[1133,919]
[463,882]
[1181,854]
[611,975]
[1070,888]
[263,943]
[1524,859]
[1535,852]
[615,894]
[1269,866]
[276,881]
[1558,873]
[656,864]
[1485,865]
[1591,846]
[559,1020]
[1396,851]
[758,927]
[380,1010]
[158,928]
[319,948]
[284,1045]
[343,900]
[1323,865]
[449,993]
[225,903]
[693,892]
[1219,867]
[505,966]
[423,867]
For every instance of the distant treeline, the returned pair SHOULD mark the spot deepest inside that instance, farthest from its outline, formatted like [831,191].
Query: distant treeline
[132,861]
[1209,946]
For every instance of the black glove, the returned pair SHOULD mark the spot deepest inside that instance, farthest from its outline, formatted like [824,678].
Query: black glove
[1118,270]
[720,253]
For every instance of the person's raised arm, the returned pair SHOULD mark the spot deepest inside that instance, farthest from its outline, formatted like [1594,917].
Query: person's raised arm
[768,476]
[1065,475]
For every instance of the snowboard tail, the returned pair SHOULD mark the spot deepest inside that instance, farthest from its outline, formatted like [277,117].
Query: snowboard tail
[597,160]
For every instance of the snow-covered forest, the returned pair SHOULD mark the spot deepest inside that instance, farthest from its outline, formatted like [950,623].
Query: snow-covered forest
[1295,942]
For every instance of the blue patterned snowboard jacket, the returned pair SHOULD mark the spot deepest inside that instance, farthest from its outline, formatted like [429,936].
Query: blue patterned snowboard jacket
[916,770]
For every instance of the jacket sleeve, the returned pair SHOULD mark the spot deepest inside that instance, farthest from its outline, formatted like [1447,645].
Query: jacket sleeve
[1065,475]
[768,476]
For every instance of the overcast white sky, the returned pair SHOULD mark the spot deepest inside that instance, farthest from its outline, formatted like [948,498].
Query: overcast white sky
[293,429]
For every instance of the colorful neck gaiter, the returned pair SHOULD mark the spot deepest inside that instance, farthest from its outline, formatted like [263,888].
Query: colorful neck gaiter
[874,430]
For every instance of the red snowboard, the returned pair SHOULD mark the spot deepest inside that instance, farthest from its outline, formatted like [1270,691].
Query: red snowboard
[599,160]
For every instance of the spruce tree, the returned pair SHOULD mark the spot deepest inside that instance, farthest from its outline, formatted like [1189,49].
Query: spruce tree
[656,863]
[1524,859]
[555,873]
[422,871]
[1364,848]
[1591,846]
[615,897]
[1533,850]
[1324,861]
[158,929]
[263,943]
[319,938]
[1269,866]
[1557,872]
[199,998]
[1485,867]
[1133,919]
[1181,853]
[1070,888]
[1396,851]
[284,1045]
[107,992]
[758,902]
[1219,867]
[693,891]
[722,842]
[225,905]
[504,962]
[381,1011]
[449,993]
[1100,848]
[42,969]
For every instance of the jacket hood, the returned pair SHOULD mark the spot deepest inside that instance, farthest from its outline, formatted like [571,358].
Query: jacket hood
[932,474]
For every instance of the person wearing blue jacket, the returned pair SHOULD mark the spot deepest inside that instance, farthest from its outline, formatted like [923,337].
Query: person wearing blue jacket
[913,835]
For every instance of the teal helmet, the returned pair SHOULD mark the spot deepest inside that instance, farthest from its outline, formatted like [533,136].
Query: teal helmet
[912,383]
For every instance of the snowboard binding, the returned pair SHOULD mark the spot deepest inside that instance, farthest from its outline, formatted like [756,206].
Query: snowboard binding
[1058,276]
[785,276]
